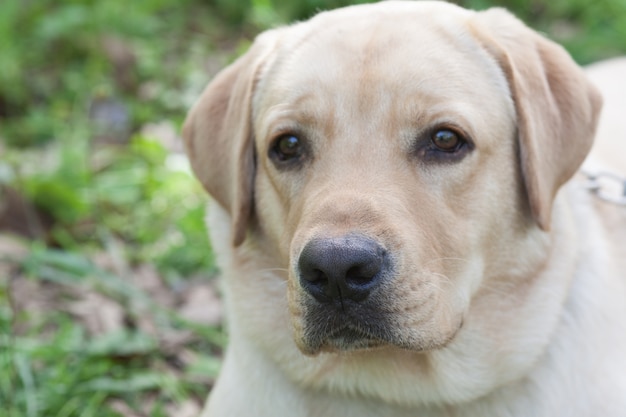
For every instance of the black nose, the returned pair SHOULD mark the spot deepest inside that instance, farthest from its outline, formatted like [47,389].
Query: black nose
[341,268]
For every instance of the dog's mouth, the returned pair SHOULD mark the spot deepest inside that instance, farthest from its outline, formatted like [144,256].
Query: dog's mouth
[345,338]
[351,338]
[354,337]
[347,328]
[358,327]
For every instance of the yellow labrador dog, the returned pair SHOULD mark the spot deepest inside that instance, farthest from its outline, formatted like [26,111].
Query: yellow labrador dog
[394,226]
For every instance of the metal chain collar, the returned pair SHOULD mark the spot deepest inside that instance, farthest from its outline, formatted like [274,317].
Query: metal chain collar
[607,186]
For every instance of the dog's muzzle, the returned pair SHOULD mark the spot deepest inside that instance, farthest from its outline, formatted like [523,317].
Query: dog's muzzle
[343,278]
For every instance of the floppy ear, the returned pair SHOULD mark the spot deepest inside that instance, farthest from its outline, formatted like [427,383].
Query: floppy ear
[557,107]
[218,135]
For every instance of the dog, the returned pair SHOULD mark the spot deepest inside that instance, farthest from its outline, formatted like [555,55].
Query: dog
[402,225]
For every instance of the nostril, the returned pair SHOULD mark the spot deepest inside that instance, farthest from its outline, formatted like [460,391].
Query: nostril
[363,272]
[359,276]
[315,281]
[317,276]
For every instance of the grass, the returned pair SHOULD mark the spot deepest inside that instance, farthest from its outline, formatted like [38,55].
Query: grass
[52,366]
[111,243]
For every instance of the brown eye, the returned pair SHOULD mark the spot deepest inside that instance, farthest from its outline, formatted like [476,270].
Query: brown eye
[447,140]
[286,147]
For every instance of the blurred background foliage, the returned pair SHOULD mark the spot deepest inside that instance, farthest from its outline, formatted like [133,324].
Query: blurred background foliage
[92,96]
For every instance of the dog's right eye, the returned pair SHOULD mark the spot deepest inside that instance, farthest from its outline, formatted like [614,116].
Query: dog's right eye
[446,140]
[286,148]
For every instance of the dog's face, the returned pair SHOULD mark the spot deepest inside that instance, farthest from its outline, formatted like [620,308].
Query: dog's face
[396,160]
[385,179]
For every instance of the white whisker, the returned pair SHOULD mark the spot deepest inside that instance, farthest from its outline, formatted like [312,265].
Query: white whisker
[445,259]
[273,270]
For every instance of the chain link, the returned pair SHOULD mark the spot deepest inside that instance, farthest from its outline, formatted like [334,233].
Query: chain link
[607,186]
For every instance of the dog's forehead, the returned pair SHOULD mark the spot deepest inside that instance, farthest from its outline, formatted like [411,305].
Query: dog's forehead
[371,39]
[406,57]
[365,34]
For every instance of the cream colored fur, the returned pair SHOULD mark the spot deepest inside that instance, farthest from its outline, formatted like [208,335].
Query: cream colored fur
[509,290]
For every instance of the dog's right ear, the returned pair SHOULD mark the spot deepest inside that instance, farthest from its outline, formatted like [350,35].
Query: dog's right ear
[218,135]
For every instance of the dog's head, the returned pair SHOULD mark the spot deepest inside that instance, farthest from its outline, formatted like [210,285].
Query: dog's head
[397,158]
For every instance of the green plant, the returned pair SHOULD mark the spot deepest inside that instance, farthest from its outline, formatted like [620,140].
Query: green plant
[51,366]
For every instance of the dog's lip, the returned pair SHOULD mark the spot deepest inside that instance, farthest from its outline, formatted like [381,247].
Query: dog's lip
[350,335]
[350,338]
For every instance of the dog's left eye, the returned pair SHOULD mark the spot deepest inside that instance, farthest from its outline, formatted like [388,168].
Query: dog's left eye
[443,144]
[286,148]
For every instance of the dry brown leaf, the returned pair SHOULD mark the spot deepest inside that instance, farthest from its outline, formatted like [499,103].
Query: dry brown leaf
[20,216]
[121,407]
[113,259]
[147,278]
[201,304]
[12,251]
[171,341]
[123,59]
[166,134]
[188,408]
[99,314]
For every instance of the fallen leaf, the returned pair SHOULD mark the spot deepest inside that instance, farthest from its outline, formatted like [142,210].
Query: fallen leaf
[123,59]
[124,409]
[188,408]
[166,134]
[98,313]
[12,251]
[201,304]
[19,215]
[148,279]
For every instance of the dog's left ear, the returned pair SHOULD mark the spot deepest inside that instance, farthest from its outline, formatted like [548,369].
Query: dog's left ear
[557,107]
